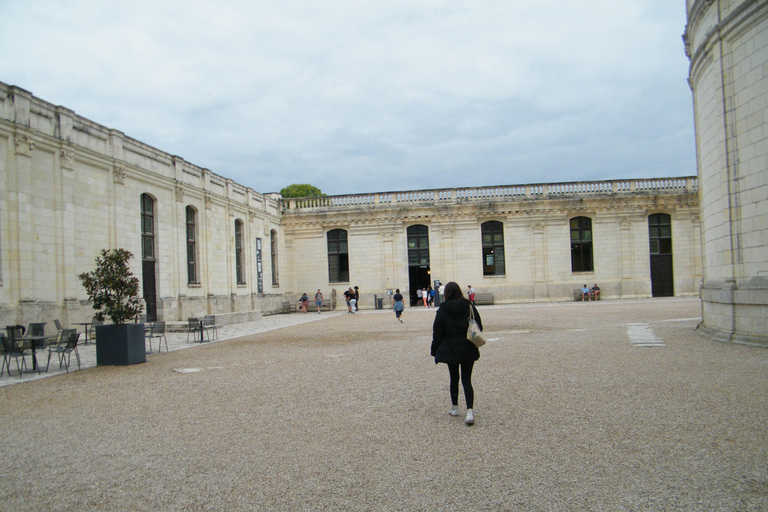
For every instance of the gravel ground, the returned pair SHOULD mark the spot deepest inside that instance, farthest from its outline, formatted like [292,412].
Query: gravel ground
[350,413]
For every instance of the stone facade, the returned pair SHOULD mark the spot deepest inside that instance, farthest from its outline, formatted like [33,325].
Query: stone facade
[536,234]
[70,187]
[727,43]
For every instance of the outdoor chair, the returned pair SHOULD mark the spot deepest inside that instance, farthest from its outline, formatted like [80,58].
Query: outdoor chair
[157,331]
[64,349]
[195,326]
[209,323]
[92,329]
[12,349]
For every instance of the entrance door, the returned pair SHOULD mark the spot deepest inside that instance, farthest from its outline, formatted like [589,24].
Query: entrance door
[418,260]
[148,256]
[660,240]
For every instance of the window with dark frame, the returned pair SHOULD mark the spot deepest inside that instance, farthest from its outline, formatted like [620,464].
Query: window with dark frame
[239,252]
[273,249]
[493,248]
[338,256]
[418,245]
[147,227]
[191,247]
[581,245]
[660,233]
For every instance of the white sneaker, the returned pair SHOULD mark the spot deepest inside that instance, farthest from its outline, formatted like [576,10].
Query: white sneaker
[454,410]
[470,417]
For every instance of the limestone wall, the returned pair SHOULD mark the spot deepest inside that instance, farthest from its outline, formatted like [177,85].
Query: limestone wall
[70,187]
[536,238]
[727,43]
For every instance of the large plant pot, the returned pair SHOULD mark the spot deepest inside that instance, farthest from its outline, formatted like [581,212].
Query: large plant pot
[120,345]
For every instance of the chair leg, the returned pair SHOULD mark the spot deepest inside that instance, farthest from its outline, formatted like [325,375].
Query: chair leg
[77,355]
[166,343]
[49,362]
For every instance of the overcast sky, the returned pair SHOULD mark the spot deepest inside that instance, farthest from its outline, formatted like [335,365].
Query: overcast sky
[360,96]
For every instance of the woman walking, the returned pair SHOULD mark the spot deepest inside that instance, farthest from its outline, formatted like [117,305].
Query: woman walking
[451,346]
[398,306]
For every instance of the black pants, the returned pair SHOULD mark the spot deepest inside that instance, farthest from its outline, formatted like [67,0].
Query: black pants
[466,381]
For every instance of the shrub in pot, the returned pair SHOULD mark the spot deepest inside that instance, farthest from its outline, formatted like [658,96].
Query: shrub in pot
[114,291]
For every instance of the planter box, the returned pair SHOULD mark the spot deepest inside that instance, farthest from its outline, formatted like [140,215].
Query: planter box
[120,345]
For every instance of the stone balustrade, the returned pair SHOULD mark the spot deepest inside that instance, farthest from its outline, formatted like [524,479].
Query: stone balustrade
[535,191]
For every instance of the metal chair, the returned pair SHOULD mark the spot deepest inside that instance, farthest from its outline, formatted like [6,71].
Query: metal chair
[12,349]
[92,330]
[195,326]
[209,323]
[64,349]
[157,331]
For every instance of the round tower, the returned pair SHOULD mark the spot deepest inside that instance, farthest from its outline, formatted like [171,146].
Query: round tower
[727,43]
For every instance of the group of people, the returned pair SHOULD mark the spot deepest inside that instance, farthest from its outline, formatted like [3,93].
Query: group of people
[351,296]
[590,294]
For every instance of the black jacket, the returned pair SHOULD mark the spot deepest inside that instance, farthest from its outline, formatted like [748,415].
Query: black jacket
[449,333]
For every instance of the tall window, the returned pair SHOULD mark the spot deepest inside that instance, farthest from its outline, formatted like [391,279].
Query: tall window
[338,256]
[147,228]
[660,233]
[493,248]
[191,247]
[239,270]
[273,248]
[581,244]
[418,245]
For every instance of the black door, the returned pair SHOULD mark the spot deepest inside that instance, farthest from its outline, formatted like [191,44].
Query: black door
[660,241]
[150,293]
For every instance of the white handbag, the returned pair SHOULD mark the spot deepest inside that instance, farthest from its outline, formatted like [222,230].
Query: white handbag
[474,333]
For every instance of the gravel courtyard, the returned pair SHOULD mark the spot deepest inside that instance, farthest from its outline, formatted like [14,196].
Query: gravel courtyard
[610,405]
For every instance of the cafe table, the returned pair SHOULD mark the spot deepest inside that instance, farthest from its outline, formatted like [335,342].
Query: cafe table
[85,328]
[33,346]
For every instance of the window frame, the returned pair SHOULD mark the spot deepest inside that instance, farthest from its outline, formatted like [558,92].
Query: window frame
[191,242]
[337,247]
[493,247]
[582,248]
[239,253]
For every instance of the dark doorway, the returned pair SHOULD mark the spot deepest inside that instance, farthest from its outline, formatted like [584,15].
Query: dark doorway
[418,260]
[660,242]
[150,293]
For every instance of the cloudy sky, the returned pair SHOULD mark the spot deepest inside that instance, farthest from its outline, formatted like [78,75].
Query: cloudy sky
[372,95]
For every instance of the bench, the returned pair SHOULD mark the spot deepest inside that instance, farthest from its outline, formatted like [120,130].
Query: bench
[483,299]
[577,296]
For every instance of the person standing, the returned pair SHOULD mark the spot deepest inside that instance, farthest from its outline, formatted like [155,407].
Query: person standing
[349,297]
[398,305]
[442,292]
[471,294]
[424,296]
[357,298]
[319,299]
[451,346]
[418,296]
[431,294]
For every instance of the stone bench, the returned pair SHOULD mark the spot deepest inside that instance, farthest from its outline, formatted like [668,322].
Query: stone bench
[577,296]
[483,299]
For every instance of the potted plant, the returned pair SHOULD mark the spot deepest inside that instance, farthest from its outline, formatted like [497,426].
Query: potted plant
[114,291]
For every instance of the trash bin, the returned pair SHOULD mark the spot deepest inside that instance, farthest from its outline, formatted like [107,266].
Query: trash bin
[378,303]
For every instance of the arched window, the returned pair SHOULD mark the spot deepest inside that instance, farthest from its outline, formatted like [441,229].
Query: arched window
[338,256]
[581,245]
[191,246]
[239,269]
[493,248]
[273,246]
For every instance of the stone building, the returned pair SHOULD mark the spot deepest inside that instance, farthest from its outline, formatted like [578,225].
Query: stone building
[204,244]
[727,43]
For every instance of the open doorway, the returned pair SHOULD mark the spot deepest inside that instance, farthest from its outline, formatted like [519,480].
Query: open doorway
[418,260]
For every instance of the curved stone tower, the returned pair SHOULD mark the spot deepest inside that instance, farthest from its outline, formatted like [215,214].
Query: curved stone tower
[727,43]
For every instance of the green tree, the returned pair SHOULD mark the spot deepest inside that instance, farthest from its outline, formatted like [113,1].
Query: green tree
[301,190]
[112,287]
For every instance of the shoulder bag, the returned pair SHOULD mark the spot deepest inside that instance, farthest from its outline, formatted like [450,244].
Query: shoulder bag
[474,334]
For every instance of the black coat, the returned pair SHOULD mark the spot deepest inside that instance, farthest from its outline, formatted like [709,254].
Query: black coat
[449,333]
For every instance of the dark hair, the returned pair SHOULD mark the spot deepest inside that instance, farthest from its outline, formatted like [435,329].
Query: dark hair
[397,291]
[453,292]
